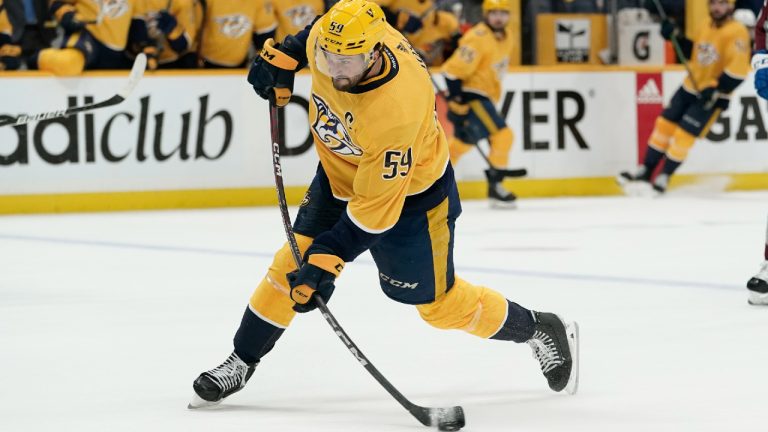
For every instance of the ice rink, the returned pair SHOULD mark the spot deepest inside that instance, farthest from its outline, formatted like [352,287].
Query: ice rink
[106,319]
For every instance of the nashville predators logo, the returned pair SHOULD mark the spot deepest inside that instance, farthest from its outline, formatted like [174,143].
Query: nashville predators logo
[112,9]
[707,54]
[331,131]
[301,16]
[501,68]
[233,26]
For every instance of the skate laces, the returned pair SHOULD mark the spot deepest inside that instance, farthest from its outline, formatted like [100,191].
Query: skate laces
[229,374]
[545,351]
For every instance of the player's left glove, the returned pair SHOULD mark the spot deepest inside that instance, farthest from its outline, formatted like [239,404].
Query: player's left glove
[272,72]
[316,276]
[709,98]
[760,65]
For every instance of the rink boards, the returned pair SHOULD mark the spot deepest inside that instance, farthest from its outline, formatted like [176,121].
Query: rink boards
[203,139]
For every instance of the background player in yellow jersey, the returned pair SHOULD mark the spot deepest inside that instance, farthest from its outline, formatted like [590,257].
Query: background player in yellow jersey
[720,55]
[172,27]
[293,15]
[438,36]
[473,75]
[95,35]
[9,51]
[384,184]
[229,29]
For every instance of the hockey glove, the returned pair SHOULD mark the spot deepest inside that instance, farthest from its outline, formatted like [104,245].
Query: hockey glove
[68,20]
[760,65]
[709,98]
[166,22]
[458,112]
[668,29]
[10,57]
[408,23]
[315,277]
[272,72]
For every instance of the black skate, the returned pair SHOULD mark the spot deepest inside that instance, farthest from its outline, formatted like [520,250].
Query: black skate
[641,174]
[637,183]
[758,287]
[213,386]
[660,183]
[497,195]
[555,345]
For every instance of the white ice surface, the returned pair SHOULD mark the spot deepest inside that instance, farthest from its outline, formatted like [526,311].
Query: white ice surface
[106,319]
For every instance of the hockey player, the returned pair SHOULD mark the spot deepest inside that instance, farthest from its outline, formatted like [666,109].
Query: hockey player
[438,36]
[293,15]
[95,36]
[758,284]
[172,29]
[229,29]
[384,184]
[719,63]
[404,15]
[10,52]
[473,75]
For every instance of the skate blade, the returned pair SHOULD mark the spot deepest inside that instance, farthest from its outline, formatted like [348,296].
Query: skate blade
[572,332]
[639,189]
[198,402]
[502,205]
[758,299]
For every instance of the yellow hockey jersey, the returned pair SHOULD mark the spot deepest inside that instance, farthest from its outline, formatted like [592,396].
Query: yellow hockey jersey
[718,50]
[185,12]
[293,15]
[438,27]
[480,61]
[115,16]
[229,26]
[5,25]
[381,142]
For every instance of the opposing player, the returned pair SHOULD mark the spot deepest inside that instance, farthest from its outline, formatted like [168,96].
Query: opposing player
[473,75]
[758,284]
[384,184]
[95,36]
[719,63]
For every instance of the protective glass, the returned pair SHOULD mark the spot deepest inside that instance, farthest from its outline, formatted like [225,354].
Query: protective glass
[340,66]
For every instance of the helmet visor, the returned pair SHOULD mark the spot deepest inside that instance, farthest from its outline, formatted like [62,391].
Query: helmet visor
[338,66]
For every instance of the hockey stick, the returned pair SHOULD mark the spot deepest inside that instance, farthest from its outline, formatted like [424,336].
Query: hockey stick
[499,173]
[678,48]
[447,419]
[137,71]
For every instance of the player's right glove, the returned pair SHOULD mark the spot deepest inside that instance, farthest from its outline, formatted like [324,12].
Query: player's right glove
[272,72]
[166,22]
[316,276]
[760,65]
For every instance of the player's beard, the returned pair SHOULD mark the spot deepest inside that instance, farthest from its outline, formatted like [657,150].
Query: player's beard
[719,20]
[346,83]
